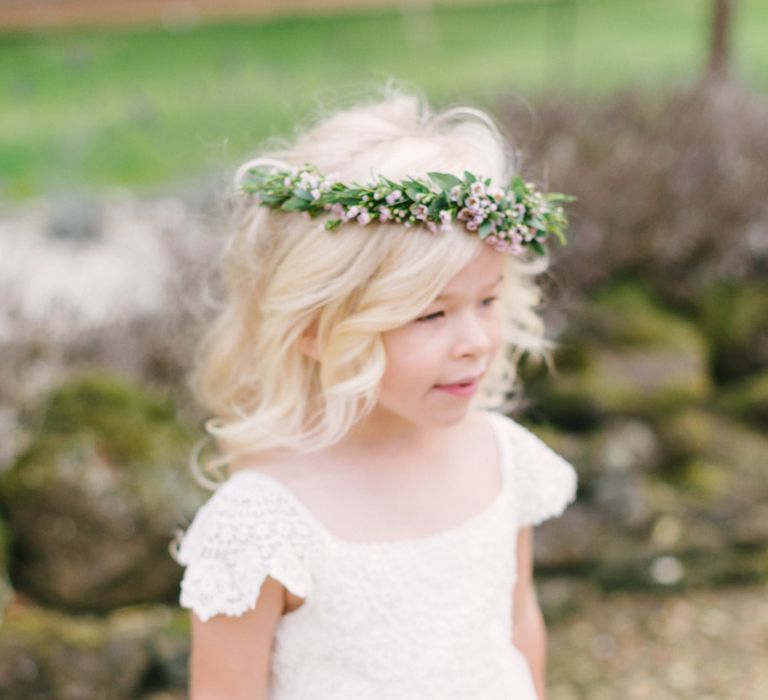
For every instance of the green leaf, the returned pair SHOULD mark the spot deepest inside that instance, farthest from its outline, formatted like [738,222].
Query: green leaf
[294,204]
[469,178]
[271,198]
[557,197]
[537,247]
[412,192]
[438,203]
[560,235]
[485,229]
[445,181]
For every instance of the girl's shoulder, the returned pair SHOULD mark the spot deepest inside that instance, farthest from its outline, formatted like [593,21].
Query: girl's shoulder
[247,529]
[545,482]
[251,505]
[256,494]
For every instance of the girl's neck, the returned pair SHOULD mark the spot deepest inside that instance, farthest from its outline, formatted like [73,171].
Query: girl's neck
[384,431]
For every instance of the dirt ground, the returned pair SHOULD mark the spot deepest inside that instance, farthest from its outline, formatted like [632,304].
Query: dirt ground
[707,645]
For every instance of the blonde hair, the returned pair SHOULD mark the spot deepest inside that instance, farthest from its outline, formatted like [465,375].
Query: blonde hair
[284,274]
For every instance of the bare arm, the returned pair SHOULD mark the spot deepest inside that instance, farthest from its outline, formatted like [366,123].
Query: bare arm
[231,656]
[529,631]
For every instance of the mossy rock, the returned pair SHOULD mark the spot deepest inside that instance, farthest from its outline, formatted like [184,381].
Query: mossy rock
[717,482]
[6,590]
[687,433]
[684,570]
[628,315]
[748,400]
[561,597]
[734,320]
[701,434]
[95,499]
[623,445]
[701,553]
[47,654]
[634,358]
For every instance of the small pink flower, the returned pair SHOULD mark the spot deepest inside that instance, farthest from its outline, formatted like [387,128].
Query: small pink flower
[431,226]
[308,181]
[337,210]
[496,193]
[364,217]
[351,213]
[455,193]
[420,211]
[472,225]
[492,240]
[393,196]
[525,232]
[384,214]
[445,221]
[477,189]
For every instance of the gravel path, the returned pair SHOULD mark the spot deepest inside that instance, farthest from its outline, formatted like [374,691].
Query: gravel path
[707,645]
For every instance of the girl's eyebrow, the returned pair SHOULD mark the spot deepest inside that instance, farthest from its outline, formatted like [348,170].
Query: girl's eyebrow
[487,286]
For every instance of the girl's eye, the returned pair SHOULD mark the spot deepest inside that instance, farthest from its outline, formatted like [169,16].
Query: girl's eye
[431,317]
[439,314]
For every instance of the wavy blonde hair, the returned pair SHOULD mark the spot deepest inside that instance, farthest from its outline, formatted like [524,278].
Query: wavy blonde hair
[284,274]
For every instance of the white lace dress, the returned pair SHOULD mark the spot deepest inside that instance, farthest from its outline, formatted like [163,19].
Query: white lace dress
[418,619]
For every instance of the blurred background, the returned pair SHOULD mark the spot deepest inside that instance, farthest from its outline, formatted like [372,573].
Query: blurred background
[120,124]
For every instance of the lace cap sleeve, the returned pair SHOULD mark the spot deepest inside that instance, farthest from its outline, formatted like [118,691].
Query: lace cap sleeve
[244,532]
[545,482]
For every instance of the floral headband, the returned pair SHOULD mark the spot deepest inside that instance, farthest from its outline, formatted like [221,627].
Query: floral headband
[513,220]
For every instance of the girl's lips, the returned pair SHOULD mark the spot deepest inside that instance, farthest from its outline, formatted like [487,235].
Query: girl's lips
[462,389]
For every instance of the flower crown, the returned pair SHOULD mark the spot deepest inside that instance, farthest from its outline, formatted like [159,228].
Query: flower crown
[513,220]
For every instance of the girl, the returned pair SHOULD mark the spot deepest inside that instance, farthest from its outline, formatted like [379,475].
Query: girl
[372,539]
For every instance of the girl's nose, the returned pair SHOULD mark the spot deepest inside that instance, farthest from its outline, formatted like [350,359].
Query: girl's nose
[474,335]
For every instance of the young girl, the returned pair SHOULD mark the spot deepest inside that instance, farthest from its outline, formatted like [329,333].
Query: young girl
[373,538]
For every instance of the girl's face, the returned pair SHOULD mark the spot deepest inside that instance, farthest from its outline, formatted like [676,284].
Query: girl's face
[436,362]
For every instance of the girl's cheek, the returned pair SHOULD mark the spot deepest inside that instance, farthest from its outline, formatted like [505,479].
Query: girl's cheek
[401,344]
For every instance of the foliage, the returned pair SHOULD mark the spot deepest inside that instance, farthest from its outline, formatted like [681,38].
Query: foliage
[513,219]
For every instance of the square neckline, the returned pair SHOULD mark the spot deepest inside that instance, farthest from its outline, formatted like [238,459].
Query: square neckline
[504,466]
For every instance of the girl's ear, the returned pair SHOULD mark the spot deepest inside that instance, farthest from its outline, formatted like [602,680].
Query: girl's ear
[308,342]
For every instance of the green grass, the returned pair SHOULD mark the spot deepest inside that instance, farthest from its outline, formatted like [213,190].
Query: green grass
[141,107]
